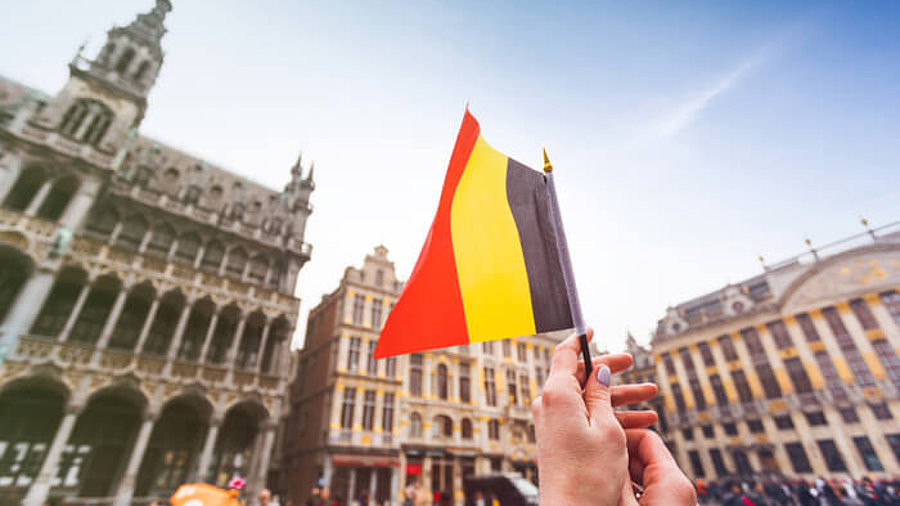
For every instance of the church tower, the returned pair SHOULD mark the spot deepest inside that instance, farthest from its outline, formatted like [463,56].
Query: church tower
[106,97]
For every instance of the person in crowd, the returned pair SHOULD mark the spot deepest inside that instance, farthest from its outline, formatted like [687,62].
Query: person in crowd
[264,498]
[315,496]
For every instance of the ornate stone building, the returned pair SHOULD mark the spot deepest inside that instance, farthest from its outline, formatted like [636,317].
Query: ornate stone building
[357,424]
[146,296]
[794,371]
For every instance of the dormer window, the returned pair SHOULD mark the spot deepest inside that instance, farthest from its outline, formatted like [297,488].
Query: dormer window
[86,121]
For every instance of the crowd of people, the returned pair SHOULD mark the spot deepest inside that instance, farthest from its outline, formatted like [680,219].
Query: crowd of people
[785,492]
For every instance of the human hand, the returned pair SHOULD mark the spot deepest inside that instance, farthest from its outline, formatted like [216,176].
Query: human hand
[652,466]
[581,442]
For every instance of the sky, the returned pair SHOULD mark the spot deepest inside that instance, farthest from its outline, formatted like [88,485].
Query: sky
[688,137]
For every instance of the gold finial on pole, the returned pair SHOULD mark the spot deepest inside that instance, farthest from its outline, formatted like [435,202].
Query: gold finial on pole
[548,167]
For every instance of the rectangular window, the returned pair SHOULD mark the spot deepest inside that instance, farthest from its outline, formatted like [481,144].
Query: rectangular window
[848,414]
[359,304]
[348,408]
[784,422]
[490,389]
[863,314]
[867,452]
[670,364]
[520,352]
[487,347]
[727,346]
[755,426]
[369,410]
[769,383]
[743,388]
[507,348]
[706,354]
[687,433]
[816,418]
[889,360]
[353,355]
[751,339]
[377,307]
[780,334]
[881,411]
[493,430]
[798,457]
[832,379]
[390,367]
[808,328]
[894,442]
[798,375]
[730,429]
[387,413]
[718,390]
[687,360]
[371,363]
[465,382]
[833,458]
[854,357]
[525,384]
[679,398]
[696,463]
[415,374]
[699,399]
[511,388]
[709,431]
[718,462]
[891,301]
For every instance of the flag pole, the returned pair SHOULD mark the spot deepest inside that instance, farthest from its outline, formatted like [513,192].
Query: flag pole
[565,261]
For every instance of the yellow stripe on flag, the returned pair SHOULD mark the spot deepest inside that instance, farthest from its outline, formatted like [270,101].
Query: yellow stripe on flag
[493,280]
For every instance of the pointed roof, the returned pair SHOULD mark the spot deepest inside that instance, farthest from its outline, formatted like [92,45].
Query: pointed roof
[149,27]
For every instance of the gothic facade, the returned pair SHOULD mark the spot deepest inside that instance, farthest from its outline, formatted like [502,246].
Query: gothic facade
[146,296]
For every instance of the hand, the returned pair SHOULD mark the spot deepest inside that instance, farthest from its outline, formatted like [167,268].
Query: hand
[581,442]
[653,467]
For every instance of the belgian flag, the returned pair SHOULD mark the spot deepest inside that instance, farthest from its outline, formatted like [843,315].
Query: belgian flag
[489,268]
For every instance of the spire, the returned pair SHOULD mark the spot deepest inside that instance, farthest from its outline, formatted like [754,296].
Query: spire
[297,169]
[149,26]
[548,167]
[309,175]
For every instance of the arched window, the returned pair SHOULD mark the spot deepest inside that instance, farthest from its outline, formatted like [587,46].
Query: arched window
[14,270]
[103,221]
[188,245]
[237,259]
[442,387]
[163,328]
[494,429]
[95,310]
[212,257]
[415,425]
[133,231]
[86,120]
[59,304]
[466,428]
[125,60]
[443,426]
[192,195]
[58,199]
[259,266]
[27,185]
[161,239]
[142,70]
[237,212]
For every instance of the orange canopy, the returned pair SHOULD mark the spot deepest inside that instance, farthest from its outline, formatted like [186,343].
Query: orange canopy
[201,494]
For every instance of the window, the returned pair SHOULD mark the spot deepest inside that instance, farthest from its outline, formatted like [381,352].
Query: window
[755,426]
[525,383]
[443,426]
[259,267]
[390,367]
[832,379]
[161,239]
[889,359]
[490,389]
[687,360]
[353,355]
[730,429]
[507,348]
[212,257]
[670,364]
[854,357]
[699,398]
[387,413]
[696,463]
[743,388]
[188,246]
[142,70]
[86,121]
[687,433]
[465,382]
[718,390]
[371,363]
[377,307]
[125,60]
[511,388]
[487,347]
[706,354]
[848,414]
[727,346]
[863,314]
[237,211]
[718,462]
[415,374]
[798,375]
[679,398]
[881,411]
[894,442]
[833,458]
[236,261]
[741,462]
[359,302]
[442,385]
[466,428]
[368,421]
[891,301]
[415,425]
[348,408]
[809,329]
[494,429]
[192,195]
[784,422]
[816,418]
[520,352]
[867,452]
[798,457]
[780,334]
[379,277]
[769,383]
[751,339]
[709,431]
[133,231]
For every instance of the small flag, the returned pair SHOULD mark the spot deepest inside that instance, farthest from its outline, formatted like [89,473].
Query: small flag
[237,483]
[201,494]
[489,268]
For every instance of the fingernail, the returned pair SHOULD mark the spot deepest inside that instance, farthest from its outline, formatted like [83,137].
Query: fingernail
[604,375]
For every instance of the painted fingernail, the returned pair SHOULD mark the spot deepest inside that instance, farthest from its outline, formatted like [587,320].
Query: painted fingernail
[604,375]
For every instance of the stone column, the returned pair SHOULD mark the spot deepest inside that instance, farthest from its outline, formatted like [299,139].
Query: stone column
[38,198]
[24,310]
[179,332]
[395,478]
[112,318]
[209,446]
[264,451]
[373,481]
[213,321]
[37,493]
[236,339]
[262,347]
[125,490]
[9,172]
[327,471]
[76,311]
[351,486]
[145,329]
[79,206]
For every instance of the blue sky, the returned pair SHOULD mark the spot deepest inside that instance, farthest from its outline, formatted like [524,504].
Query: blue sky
[688,137]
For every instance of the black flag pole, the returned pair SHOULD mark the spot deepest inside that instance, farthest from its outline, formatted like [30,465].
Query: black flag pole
[562,248]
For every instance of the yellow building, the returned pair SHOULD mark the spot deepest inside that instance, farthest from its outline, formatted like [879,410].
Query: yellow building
[793,371]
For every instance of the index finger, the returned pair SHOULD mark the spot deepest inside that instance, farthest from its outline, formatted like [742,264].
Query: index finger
[565,357]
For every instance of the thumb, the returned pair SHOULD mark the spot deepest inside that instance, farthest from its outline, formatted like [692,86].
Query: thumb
[597,396]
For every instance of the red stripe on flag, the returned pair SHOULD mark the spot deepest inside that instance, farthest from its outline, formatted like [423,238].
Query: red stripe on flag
[429,313]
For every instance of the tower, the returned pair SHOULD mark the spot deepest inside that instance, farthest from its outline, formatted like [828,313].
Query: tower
[298,191]
[106,97]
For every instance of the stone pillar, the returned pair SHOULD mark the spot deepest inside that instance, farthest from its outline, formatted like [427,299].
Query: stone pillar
[373,481]
[76,311]
[145,329]
[395,478]
[179,332]
[10,168]
[262,347]
[264,450]
[327,471]
[351,486]
[209,446]
[125,490]
[236,339]
[24,310]
[112,318]
[37,493]
[213,321]
[79,206]
[38,198]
